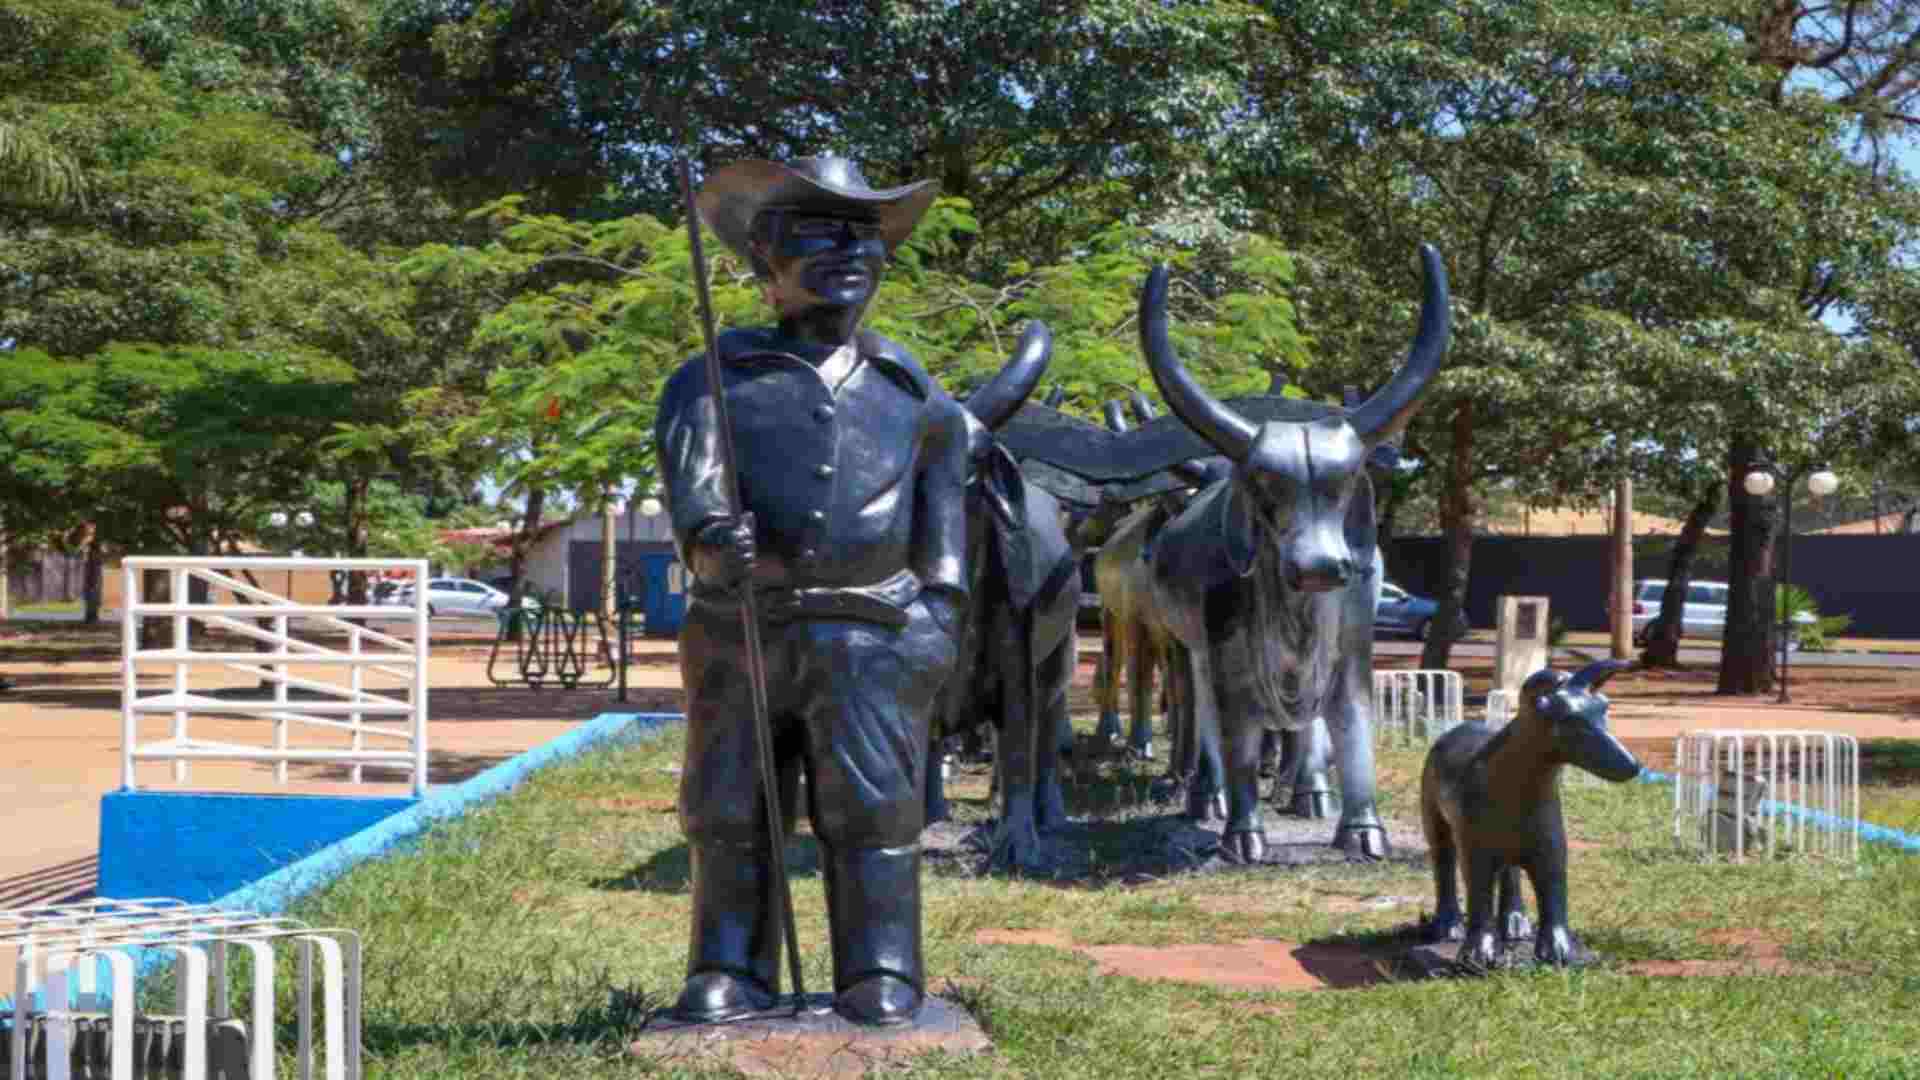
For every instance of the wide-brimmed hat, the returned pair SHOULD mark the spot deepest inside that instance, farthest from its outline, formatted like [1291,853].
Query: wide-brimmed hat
[735,194]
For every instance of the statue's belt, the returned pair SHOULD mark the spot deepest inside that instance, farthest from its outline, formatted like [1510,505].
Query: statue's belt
[884,603]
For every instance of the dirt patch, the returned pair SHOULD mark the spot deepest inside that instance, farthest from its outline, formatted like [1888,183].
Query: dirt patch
[1248,964]
[627,803]
[1760,954]
[1052,939]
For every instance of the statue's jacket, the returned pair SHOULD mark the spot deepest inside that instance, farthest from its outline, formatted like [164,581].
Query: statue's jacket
[858,490]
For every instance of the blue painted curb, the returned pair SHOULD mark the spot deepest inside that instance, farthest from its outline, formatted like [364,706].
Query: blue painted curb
[271,894]
[1879,834]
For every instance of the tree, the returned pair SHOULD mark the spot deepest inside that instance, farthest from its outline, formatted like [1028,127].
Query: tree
[1599,178]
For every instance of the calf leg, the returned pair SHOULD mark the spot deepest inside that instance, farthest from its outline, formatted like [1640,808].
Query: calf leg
[1245,838]
[1446,923]
[1513,913]
[1481,950]
[1553,940]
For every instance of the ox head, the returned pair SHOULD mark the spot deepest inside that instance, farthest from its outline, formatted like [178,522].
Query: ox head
[1297,478]
[1573,713]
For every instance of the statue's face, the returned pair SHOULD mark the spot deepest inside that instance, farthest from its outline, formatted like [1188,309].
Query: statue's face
[821,260]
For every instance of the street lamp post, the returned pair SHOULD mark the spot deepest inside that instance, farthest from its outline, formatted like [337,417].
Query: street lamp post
[1821,481]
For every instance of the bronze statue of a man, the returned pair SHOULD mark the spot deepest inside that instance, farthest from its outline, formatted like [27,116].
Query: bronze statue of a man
[852,469]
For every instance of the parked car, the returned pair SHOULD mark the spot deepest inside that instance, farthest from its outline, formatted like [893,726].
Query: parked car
[1401,612]
[1703,615]
[460,596]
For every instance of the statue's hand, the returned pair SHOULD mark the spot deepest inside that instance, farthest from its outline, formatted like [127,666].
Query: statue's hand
[726,552]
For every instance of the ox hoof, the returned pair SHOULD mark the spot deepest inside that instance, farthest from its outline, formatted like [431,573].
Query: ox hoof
[1560,948]
[1206,806]
[1142,749]
[1443,927]
[1313,805]
[1244,848]
[1017,849]
[1362,841]
[1109,729]
[1516,926]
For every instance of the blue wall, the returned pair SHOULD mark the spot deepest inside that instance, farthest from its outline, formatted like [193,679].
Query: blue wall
[197,847]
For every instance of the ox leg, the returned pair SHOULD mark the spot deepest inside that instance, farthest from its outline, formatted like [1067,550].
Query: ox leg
[1350,718]
[1311,791]
[1140,663]
[1023,737]
[1204,794]
[1273,752]
[1245,838]
[1052,682]
[1112,648]
[937,808]
[1181,757]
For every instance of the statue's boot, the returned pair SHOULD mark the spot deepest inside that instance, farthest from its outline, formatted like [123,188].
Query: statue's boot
[733,964]
[873,913]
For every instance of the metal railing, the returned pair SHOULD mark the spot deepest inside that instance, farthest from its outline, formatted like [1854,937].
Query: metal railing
[1417,705]
[1743,793]
[63,1026]
[327,705]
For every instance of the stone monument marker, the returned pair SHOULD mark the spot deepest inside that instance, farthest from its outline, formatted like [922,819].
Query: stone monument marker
[1520,642]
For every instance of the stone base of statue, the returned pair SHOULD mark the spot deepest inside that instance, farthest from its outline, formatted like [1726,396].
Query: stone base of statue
[815,1042]
[1442,959]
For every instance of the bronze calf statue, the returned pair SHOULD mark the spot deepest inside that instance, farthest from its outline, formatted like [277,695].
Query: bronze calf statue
[1490,800]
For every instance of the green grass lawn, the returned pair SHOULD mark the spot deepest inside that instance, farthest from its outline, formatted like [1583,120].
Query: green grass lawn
[530,937]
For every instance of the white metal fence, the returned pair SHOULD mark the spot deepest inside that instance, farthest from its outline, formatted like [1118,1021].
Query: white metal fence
[1767,792]
[1417,704]
[63,1027]
[395,716]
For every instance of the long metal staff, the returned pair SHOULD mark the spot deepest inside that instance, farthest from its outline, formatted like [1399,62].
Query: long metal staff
[749,610]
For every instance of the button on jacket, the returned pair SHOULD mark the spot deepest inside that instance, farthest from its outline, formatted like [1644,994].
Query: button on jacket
[848,485]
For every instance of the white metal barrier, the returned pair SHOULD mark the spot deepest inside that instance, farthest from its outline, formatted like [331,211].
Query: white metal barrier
[1740,792]
[1499,708]
[1417,704]
[328,705]
[78,1032]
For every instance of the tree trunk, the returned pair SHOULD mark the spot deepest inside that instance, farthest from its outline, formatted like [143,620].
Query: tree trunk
[1456,521]
[1663,647]
[1622,569]
[91,583]
[357,493]
[1745,653]
[530,528]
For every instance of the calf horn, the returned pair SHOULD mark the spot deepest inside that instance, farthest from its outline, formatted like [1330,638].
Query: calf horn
[1591,676]
[1231,433]
[1382,416]
[996,402]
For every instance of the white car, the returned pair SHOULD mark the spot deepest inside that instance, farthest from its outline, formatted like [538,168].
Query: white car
[1704,614]
[460,596]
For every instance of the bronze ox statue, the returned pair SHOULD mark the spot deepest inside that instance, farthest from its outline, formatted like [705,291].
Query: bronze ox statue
[1131,651]
[1267,579]
[1017,646]
[1490,803]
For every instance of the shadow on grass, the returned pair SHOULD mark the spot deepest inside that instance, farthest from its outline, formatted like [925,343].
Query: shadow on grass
[671,870]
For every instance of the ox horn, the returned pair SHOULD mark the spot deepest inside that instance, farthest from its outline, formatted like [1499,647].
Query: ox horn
[1143,409]
[1591,676]
[1227,430]
[1382,416]
[1116,416]
[996,402]
[1055,396]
